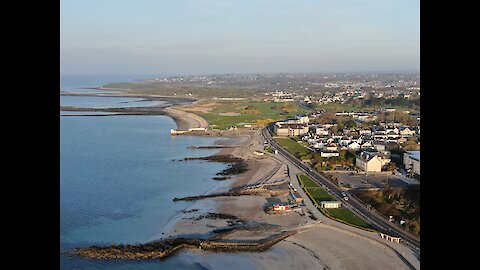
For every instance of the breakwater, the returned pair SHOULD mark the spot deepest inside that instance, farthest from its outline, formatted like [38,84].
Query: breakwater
[165,248]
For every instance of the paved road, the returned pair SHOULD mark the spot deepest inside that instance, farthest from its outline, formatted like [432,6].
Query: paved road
[379,222]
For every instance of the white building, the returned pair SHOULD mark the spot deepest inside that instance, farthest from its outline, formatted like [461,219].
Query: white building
[411,159]
[330,204]
[303,119]
[328,154]
[371,161]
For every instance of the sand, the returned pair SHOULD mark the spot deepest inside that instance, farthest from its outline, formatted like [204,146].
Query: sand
[319,246]
[186,120]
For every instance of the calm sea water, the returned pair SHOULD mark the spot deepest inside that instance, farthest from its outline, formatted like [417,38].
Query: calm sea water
[78,83]
[117,182]
[106,102]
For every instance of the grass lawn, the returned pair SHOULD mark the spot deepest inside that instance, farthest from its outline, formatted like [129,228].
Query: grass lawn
[319,194]
[182,90]
[238,113]
[306,181]
[293,147]
[348,216]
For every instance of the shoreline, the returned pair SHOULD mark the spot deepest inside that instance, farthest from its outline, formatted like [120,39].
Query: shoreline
[248,207]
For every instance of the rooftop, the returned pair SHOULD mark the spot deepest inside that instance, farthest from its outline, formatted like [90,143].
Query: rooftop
[414,154]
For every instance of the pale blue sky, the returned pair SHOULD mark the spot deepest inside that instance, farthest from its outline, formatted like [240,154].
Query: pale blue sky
[238,36]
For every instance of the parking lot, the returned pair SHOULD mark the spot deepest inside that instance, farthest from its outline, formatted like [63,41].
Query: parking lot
[373,180]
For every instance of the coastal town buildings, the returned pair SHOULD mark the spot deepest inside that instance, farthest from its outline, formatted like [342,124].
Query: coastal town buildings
[372,161]
[411,160]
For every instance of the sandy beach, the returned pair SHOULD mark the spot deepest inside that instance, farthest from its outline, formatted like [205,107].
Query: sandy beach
[186,120]
[316,246]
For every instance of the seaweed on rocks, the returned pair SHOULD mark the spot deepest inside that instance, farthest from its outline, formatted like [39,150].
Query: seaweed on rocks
[167,247]
[237,165]
[220,178]
[232,220]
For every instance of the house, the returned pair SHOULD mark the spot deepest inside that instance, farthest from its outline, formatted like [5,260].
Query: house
[321,131]
[379,146]
[354,146]
[366,144]
[330,204]
[330,147]
[406,131]
[303,119]
[371,161]
[344,141]
[365,132]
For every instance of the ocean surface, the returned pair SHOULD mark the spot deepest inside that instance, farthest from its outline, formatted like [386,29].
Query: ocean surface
[106,102]
[118,176]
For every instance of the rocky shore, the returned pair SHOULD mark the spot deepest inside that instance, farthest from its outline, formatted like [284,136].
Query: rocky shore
[165,248]
[237,165]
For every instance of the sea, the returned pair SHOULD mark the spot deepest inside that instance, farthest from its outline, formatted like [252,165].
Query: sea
[118,176]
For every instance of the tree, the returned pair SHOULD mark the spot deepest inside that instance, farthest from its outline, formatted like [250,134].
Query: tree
[349,124]
[391,166]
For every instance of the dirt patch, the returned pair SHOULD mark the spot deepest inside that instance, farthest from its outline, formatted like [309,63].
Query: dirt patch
[230,114]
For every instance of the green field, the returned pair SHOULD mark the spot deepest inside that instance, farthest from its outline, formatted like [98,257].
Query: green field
[348,216]
[182,90]
[238,113]
[295,148]
[306,181]
[318,194]
[338,107]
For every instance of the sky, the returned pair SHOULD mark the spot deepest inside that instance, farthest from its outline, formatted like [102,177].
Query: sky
[188,37]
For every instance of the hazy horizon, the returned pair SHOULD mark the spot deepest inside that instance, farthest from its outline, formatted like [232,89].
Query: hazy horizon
[211,37]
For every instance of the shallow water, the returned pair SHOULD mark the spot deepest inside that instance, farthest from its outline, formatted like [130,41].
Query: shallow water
[106,102]
[117,178]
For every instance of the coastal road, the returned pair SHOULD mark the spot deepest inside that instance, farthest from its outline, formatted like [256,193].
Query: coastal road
[380,223]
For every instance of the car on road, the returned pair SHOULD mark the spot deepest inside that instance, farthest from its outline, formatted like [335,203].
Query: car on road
[344,194]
